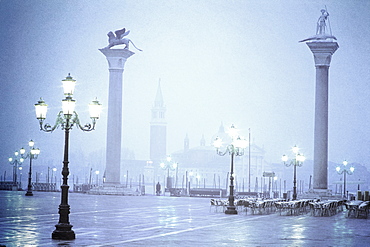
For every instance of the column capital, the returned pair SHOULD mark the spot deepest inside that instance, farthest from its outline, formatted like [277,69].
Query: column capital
[322,52]
[116,57]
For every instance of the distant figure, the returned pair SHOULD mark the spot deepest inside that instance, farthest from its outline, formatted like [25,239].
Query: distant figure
[321,23]
[158,189]
[119,39]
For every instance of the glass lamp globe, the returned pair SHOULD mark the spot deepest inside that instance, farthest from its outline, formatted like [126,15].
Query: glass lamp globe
[41,109]
[69,85]
[95,109]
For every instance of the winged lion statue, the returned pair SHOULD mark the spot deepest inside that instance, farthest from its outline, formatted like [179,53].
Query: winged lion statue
[117,38]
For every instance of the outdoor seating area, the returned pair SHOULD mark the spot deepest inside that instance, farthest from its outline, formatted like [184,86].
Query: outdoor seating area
[293,207]
[253,205]
[326,208]
[256,206]
[357,209]
[314,207]
[218,204]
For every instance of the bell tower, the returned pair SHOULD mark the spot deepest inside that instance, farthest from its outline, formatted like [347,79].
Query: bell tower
[158,128]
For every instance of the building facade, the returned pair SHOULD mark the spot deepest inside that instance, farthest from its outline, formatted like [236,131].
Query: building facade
[203,167]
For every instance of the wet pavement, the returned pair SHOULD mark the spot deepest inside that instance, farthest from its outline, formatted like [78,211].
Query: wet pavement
[103,220]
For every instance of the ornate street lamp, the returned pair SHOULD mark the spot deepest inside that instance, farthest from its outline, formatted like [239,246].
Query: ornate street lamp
[32,154]
[235,148]
[168,165]
[66,118]
[345,171]
[15,162]
[296,161]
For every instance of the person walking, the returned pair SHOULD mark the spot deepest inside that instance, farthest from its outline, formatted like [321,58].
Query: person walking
[158,189]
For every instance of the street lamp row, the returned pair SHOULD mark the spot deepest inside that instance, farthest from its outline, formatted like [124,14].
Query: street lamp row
[66,118]
[31,154]
[300,158]
[16,162]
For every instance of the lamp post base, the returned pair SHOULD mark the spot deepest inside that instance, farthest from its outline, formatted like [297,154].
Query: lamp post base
[63,232]
[29,193]
[231,210]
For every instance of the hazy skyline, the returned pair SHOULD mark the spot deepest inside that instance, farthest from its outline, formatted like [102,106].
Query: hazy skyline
[234,62]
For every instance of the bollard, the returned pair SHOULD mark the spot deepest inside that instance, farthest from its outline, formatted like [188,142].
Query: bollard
[285,196]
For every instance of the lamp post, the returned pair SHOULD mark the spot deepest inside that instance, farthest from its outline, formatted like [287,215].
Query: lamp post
[52,174]
[15,162]
[66,118]
[296,161]
[189,181]
[276,190]
[345,171]
[97,177]
[20,178]
[235,148]
[32,154]
[169,165]
[198,180]
[55,179]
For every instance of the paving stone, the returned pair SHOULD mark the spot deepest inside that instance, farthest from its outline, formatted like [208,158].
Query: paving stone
[107,220]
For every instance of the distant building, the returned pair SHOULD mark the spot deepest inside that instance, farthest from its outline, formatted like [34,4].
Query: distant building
[203,167]
[200,166]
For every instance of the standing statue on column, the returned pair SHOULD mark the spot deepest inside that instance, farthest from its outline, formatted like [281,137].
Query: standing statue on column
[321,23]
[118,39]
[320,29]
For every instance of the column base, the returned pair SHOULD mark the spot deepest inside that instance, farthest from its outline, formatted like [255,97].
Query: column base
[323,194]
[114,189]
[231,210]
[63,232]
[29,193]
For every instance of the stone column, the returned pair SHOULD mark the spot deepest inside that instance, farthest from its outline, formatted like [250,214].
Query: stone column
[116,61]
[322,52]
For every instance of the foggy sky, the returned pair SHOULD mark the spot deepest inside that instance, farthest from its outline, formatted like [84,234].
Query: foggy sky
[234,62]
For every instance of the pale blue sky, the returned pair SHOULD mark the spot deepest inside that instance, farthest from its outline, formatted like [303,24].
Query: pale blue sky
[219,61]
